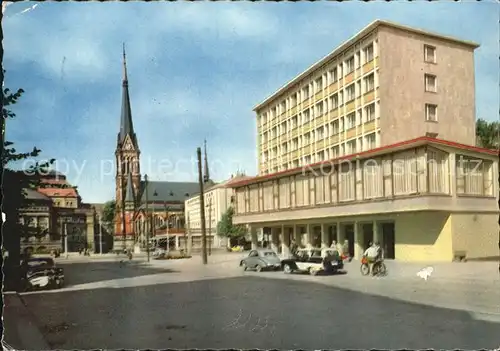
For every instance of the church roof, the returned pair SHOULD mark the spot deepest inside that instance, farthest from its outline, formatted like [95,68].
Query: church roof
[158,191]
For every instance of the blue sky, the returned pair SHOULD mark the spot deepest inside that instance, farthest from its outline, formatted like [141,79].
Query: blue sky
[196,70]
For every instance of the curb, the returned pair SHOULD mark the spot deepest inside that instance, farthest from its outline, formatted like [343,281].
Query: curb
[26,325]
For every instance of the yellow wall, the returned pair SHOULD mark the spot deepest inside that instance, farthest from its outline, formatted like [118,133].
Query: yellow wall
[423,236]
[477,234]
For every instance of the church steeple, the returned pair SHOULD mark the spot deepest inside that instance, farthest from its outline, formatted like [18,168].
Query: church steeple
[126,125]
[206,174]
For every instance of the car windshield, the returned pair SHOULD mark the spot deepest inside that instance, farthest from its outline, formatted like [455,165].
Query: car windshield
[315,253]
[39,263]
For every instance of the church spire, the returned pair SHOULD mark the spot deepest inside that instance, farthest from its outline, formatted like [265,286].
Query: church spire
[125,78]
[126,125]
[206,174]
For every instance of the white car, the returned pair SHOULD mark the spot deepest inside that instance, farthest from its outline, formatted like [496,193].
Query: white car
[159,252]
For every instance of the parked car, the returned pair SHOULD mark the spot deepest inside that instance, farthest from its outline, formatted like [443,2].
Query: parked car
[259,260]
[159,252]
[314,261]
[41,273]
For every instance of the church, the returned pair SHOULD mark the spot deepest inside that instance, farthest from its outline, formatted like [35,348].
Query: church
[142,205]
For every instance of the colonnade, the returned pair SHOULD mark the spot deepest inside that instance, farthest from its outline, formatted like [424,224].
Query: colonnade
[318,235]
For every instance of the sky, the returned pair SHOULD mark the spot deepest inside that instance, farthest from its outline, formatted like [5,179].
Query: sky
[195,69]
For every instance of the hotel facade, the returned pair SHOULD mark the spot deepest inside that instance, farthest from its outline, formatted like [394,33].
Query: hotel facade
[373,142]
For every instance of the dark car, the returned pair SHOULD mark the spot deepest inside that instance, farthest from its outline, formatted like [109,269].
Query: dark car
[314,261]
[41,273]
[260,260]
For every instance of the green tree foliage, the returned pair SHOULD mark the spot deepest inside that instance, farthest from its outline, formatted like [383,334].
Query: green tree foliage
[487,134]
[226,228]
[108,215]
[13,195]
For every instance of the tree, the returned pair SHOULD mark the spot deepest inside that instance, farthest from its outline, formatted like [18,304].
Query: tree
[487,134]
[227,229]
[13,194]
[108,215]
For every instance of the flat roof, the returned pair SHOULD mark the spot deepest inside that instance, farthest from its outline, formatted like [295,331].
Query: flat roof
[404,145]
[365,31]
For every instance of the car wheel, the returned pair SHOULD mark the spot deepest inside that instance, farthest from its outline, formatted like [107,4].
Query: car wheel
[287,269]
[244,265]
[313,272]
[258,268]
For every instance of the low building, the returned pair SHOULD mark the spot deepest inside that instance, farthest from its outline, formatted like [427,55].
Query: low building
[53,211]
[424,199]
[218,198]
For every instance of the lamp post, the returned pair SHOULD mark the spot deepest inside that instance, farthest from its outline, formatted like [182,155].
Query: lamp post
[209,206]
[100,236]
[147,227]
[66,239]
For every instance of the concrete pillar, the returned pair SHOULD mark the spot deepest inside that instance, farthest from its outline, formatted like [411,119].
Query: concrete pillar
[177,242]
[340,238]
[253,238]
[274,239]
[285,242]
[309,235]
[376,233]
[358,246]
[324,236]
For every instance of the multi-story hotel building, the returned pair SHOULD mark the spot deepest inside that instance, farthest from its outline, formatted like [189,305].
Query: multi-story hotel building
[389,117]
[386,84]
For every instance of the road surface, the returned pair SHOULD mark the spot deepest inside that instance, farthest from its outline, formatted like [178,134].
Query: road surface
[243,310]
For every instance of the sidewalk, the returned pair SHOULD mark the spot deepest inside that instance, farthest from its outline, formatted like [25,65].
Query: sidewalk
[21,329]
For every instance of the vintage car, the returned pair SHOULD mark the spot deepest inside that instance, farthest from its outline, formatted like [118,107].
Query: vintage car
[314,261]
[259,260]
[41,273]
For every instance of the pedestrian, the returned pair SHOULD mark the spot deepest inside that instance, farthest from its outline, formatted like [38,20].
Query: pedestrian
[294,247]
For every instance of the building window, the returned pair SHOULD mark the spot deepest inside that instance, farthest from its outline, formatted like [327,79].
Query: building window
[307,138]
[351,120]
[351,147]
[370,112]
[320,134]
[370,141]
[319,84]
[351,92]
[334,153]
[295,143]
[430,83]
[368,53]
[334,101]
[431,112]
[319,109]
[307,160]
[333,75]
[369,83]
[429,54]
[349,65]
[335,127]
[305,93]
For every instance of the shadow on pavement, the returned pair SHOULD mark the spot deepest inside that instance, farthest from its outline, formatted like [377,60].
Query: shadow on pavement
[92,272]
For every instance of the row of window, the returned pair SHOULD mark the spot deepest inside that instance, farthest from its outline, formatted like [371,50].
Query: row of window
[331,103]
[355,118]
[339,70]
[376,179]
[365,143]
